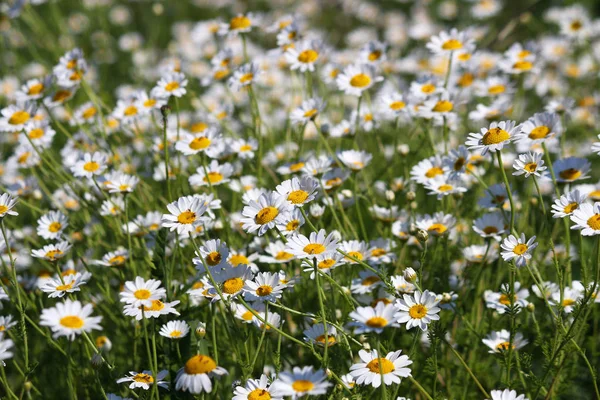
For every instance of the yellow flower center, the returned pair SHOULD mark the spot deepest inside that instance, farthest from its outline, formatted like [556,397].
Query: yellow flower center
[213,177]
[523,65]
[570,174]
[175,334]
[297,196]
[200,143]
[417,311]
[570,208]
[186,217]
[117,260]
[89,113]
[466,80]
[326,264]
[504,346]
[64,287]
[308,56]
[238,259]
[443,106]
[36,133]
[259,394]
[247,316]
[381,366]
[199,364]
[283,255]
[292,225]
[594,222]
[72,322]
[539,132]
[169,87]
[360,81]
[142,294]
[213,258]
[445,188]
[377,322]
[302,385]
[245,147]
[428,88]
[54,227]
[504,299]
[374,55]
[233,285]
[131,110]
[495,136]
[266,215]
[35,89]
[314,248]
[310,113]
[297,166]
[530,167]
[149,103]
[52,254]
[452,44]
[520,249]
[370,280]
[247,77]
[397,105]
[264,290]
[19,118]
[488,230]
[143,378]
[437,228]
[568,302]
[355,254]
[433,172]
[91,166]
[3,209]
[576,25]
[239,22]
[496,89]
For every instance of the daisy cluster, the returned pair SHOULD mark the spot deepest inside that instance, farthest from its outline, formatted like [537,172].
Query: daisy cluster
[319,199]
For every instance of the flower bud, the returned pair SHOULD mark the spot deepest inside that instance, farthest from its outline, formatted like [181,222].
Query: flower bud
[530,307]
[103,343]
[403,149]
[410,196]
[410,274]
[316,211]
[390,195]
[422,235]
[347,193]
[201,330]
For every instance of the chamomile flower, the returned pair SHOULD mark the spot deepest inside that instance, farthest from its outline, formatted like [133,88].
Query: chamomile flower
[171,84]
[256,389]
[185,214]
[418,309]
[540,128]
[69,319]
[6,323]
[304,55]
[444,185]
[316,335]
[277,253]
[122,183]
[373,52]
[493,138]
[213,174]
[214,252]
[312,246]
[393,105]
[52,225]
[490,226]
[373,368]
[571,169]
[518,249]
[115,258]
[301,382]
[291,223]
[437,224]
[587,219]
[206,142]
[5,353]
[499,341]
[298,191]
[566,204]
[264,287]
[506,394]
[308,111]
[447,42]
[58,287]
[529,164]
[7,203]
[155,310]
[365,283]
[144,380]
[141,292]
[263,214]
[244,76]
[241,23]
[354,159]
[91,165]
[427,169]
[373,319]
[175,329]
[568,298]
[245,148]
[357,78]
[14,118]
[195,375]
[52,252]
[231,281]
[40,133]
[500,301]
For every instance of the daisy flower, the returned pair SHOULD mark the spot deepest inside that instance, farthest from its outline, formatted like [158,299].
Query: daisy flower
[52,252]
[529,164]
[241,23]
[264,287]
[69,318]
[365,283]
[301,382]
[308,111]
[91,165]
[393,105]
[518,250]
[231,281]
[571,169]
[263,214]
[14,118]
[444,185]
[7,203]
[587,219]
[255,389]
[52,225]
[568,299]
[34,89]
[58,287]
[245,148]
[437,224]
[447,42]
[171,84]
[493,138]
[309,247]
[175,329]
[490,226]
[205,142]
[418,309]
[141,292]
[373,368]
[213,174]
[122,183]
[316,335]
[144,380]
[185,214]
[244,76]
[506,394]
[298,191]
[291,223]
[354,159]
[304,55]
[539,128]
[373,319]
[195,375]
[214,252]
[500,301]
[357,78]
[157,309]
[566,204]
[499,341]
[5,353]
[373,52]
[6,323]
[427,169]
[40,133]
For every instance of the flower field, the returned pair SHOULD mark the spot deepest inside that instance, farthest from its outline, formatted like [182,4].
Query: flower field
[277,200]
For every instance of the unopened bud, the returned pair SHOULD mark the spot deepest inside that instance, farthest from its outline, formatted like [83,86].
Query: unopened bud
[347,193]
[422,235]
[28,385]
[410,196]
[410,274]
[329,373]
[533,201]
[390,196]
[403,149]
[201,330]
[165,111]
[316,210]
[530,307]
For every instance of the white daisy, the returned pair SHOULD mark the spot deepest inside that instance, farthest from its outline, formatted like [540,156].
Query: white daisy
[518,249]
[185,214]
[195,375]
[301,382]
[357,78]
[144,380]
[566,204]
[69,318]
[52,225]
[499,341]
[418,309]
[7,203]
[256,389]
[529,164]
[91,165]
[263,214]
[374,368]
[175,329]
[312,246]
[587,219]
[171,84]
[373,319]
[493,138]
[141,292]
[299,191]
